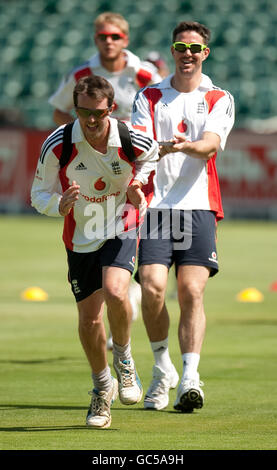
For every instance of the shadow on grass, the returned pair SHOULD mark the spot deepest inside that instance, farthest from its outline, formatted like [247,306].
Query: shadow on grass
[19,406]
[53,428]
[40,361]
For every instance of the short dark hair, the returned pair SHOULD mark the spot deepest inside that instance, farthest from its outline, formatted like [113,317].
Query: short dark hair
[192,26]
[94,86]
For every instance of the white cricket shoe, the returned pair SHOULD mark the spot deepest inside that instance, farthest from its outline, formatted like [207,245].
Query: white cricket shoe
[129,386]
[157,395]
[99,412]
[189,395]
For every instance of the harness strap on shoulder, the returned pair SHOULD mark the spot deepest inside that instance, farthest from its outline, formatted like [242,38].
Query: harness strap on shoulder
[126,142]
[67,145]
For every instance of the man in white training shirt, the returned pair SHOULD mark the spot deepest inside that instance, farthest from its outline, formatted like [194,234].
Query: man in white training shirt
[127,74]
[98,192]
[123,69]
[194,118]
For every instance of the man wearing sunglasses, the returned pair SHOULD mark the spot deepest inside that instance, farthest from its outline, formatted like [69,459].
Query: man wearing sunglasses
[191,119]
[123,69]
[98,192]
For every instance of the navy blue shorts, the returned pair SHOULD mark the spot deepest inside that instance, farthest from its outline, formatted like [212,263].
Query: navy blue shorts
[85,269]
[197,247]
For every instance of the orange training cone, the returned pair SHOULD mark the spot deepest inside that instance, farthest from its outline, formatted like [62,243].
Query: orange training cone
[273,286]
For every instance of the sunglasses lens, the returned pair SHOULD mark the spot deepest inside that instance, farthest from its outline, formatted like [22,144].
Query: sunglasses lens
[103,36]
[179,47]
[182,47]
[84,113]
[96,113]
[195,48]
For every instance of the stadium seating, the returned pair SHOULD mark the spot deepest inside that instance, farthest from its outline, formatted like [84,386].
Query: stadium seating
[42,40]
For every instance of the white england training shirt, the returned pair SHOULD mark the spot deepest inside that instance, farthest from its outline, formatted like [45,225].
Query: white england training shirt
[181,181]
[126,83]
[102,210]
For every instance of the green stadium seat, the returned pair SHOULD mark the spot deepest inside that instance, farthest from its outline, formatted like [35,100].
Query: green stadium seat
[41,54]
[73,37]
[16,86]
[10,55]
[40,88]
[219,72]
[89,7]
[45,37]
[36,7]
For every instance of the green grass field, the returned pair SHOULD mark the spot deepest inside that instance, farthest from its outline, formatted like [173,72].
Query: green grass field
[45,377]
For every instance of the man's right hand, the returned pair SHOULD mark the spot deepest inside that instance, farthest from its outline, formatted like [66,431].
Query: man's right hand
[69,197]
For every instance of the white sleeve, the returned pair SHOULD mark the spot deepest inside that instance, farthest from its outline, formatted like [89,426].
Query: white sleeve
[221,118]
[141,117]
[46,190]
[63,98]
[146,163]
[148,154]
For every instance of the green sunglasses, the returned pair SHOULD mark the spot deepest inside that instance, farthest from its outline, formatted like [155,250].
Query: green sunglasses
[193,47]
[96,113]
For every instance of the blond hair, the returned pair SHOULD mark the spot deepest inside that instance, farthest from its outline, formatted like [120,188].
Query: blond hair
[112,18]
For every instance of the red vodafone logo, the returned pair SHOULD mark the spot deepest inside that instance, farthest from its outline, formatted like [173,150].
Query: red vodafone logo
[182,126]
[100,185]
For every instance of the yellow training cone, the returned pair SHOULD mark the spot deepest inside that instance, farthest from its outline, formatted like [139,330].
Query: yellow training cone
[34,294]
[250,295]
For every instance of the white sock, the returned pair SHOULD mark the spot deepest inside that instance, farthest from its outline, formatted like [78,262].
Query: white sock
[190,365]
[102,380]
[122,352]
[161,354]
